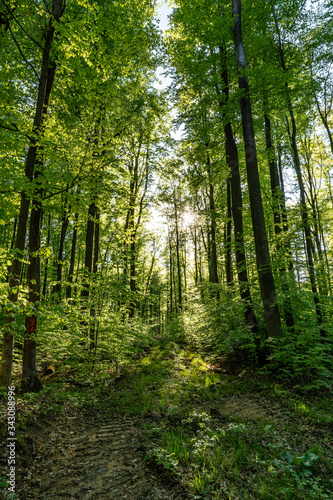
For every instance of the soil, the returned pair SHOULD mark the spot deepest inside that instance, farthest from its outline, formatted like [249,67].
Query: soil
[83,456]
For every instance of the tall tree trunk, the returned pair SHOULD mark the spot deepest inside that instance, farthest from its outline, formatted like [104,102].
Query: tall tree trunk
[266,280]
[30,381]
[148,284]
[213,255]
[194,237]
[88,262]
[72,258]
[316,218]
[179,275]
[12,244]
[297,166]
[305,221]
[89,248]
[44,88]
[170,276]
[213,274]
[48,238]
[93,327]
[324,118]
[64,225]
[184,270]
[132,232]
[279,222]
[237,208]
[228,261]
[175,290]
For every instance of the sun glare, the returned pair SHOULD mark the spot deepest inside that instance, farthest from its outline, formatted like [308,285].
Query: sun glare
[188,218]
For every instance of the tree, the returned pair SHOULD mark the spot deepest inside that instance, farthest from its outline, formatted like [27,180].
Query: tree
[45,82]
[268,294]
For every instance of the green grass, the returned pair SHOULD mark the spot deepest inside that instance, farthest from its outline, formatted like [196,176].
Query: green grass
[173,391]
[176,397]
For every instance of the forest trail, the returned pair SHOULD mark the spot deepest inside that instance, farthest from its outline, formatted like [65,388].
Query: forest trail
[91,459]
[160,424]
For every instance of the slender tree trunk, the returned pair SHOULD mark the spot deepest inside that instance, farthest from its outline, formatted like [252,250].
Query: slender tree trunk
[213,257]
[146,297]
[12,244]
[89,248]
[323,116]
[48,238]
[171,274]
[305,221]
[297,165]
[133,301]
[316,218]
[175,290]
[237,209]
[266,280]
[179,275]
[213,273]
[228,260]
[209,255]
[44,89]
[88,262]
[195,255]
[93,328]
[30,381]
[184,269]
[279,223]
[72,259]
[200,261]
[64,225]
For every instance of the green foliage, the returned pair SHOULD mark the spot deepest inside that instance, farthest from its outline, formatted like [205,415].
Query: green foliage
[304,359]
[160,457]
[303,463]
[212,324]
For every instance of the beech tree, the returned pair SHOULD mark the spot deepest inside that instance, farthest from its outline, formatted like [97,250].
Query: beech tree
[242,253]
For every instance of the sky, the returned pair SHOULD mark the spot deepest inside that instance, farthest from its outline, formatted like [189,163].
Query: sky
[163,11]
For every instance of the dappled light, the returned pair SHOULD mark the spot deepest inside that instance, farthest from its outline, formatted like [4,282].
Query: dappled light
[166,250]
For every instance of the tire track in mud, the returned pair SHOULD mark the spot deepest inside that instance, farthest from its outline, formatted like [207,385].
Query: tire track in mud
[95,461]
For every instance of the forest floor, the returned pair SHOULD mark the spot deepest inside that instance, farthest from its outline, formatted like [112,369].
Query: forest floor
[169,425]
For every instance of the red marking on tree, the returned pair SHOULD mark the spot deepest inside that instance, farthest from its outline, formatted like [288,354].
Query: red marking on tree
[32,325]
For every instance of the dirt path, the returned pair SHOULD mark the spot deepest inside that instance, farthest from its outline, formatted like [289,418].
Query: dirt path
[90,459]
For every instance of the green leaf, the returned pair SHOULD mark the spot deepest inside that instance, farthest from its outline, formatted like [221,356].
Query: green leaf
[309,459]
[298,461]
[289,457]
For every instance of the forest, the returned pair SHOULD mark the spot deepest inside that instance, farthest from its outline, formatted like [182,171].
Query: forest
[166,223]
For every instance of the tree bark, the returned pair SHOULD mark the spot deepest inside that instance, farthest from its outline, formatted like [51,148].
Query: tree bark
[280,221]
[170,275]
[179,274]
[89,252]
[297,166]
[237,207]
[44,89]
[72,259]
[213,274]
[266,280]
[64,225]
[93,327]
[12,244]
[228,260]
[48,238]
[305,220]
[30,381]
[194,237]
[324,116]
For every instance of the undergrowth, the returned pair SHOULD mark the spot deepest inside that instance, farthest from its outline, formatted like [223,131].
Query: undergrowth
[181,398]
